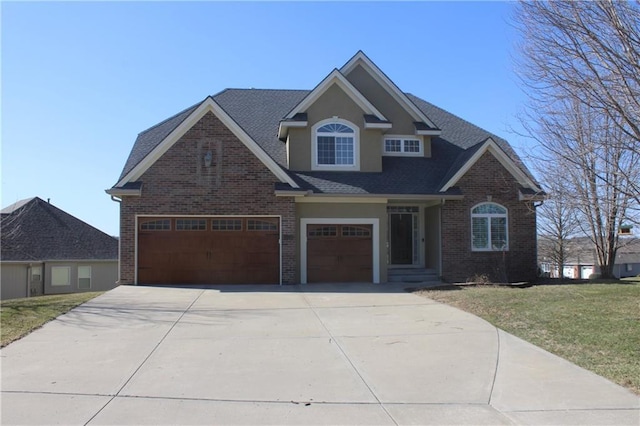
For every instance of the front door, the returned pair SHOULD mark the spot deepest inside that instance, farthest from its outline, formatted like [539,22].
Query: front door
[401,238]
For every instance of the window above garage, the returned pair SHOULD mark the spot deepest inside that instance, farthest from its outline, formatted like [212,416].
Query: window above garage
[398,145]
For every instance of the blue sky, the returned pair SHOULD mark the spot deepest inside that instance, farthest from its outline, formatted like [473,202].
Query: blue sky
[81,80]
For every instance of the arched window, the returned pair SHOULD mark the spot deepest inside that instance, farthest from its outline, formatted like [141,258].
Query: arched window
[489,228]
[335,144]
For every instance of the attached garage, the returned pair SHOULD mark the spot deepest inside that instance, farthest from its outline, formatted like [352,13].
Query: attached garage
[208,250]
[335,252]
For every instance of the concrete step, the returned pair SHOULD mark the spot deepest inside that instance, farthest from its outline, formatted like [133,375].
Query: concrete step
[412,275]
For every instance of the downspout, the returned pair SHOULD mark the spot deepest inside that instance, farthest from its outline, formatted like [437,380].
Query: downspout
[28,280]
[118,200]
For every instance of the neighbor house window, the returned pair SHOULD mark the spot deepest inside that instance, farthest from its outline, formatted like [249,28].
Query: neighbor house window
[60,275]
[489,227]
[84,277]
[400,145]
[335,145]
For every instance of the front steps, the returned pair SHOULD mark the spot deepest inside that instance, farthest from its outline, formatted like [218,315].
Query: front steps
[412,275]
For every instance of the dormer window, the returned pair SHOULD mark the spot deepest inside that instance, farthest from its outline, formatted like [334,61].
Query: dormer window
[402,146]
[335,145]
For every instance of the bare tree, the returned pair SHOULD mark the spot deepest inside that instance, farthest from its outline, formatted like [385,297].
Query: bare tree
[557,220]
[580,64]
[588,51]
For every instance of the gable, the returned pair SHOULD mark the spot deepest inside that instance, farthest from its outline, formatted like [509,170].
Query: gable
[424,125]
[335,102]
[193,116]
[207,163]
[401,121]
[472,156]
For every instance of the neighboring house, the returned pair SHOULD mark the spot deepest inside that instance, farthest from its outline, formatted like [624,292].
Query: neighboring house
[354,180]
[47,251]
[581,261]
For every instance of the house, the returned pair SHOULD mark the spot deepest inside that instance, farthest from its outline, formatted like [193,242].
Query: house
[581,259]
[354,180]
[47,251]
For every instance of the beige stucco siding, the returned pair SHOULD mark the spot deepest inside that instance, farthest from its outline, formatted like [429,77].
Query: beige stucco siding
[347,211]
[402,121]
[334,102]
[103,277]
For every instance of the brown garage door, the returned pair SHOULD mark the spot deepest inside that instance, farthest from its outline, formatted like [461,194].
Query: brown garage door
[221,250]
[339,253]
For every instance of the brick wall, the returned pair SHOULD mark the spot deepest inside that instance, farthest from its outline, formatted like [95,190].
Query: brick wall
[179,183]
[488,178]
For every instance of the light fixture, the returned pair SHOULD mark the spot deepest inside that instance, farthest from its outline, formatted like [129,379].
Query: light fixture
[208,157]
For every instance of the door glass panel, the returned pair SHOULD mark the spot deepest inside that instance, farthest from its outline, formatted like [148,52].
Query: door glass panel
[401,238]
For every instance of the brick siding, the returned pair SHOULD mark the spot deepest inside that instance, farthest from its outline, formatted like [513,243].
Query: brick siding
[488,178]
[179,183]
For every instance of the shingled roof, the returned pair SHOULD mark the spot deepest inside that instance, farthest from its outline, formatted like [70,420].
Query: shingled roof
[259,112]
[35,230]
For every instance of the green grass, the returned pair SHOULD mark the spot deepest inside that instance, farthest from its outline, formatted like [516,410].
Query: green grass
[596,326]
[19,317]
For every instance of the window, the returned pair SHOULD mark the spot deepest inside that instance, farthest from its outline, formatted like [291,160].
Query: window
[335,145]
[402,145]
[60,275]
[323,231]
[226,225]
[191,224]
[355,231]
[156,225]
[84,277]
[489,227]
[261,225]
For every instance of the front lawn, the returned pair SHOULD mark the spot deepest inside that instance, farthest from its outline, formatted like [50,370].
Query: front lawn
[19,317]
[596,326]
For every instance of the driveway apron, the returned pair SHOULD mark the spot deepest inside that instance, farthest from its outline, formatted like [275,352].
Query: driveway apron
[327,354]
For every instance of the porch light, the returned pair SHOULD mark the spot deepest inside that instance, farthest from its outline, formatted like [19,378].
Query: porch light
[208,157]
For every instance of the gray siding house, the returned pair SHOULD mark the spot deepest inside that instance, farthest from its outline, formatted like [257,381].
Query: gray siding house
[48,251]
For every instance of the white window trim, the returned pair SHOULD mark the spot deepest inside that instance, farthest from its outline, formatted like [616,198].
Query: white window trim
[335,167]
[350,221]
[90,277]
[53,275]
[489,216]
[403,138]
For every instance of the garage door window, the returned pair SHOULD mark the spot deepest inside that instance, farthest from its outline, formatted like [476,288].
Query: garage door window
[261,225]
[191,224]
[226,225]
[156,225]
[355,231]
[323,231]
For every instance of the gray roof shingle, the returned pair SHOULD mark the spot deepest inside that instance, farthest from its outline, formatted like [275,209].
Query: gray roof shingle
[259,112]
[38,231]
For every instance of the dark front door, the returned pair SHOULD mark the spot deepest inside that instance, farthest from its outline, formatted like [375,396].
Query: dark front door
[401,238]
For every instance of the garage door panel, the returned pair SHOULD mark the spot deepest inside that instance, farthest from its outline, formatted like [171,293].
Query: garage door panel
[225,252]
[339,253]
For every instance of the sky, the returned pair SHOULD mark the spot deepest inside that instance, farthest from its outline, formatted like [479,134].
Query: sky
[80,80]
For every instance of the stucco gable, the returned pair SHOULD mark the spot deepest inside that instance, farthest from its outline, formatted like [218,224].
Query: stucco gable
[359,64]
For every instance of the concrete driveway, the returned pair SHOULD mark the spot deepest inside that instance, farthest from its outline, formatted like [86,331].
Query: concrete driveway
[292,355]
